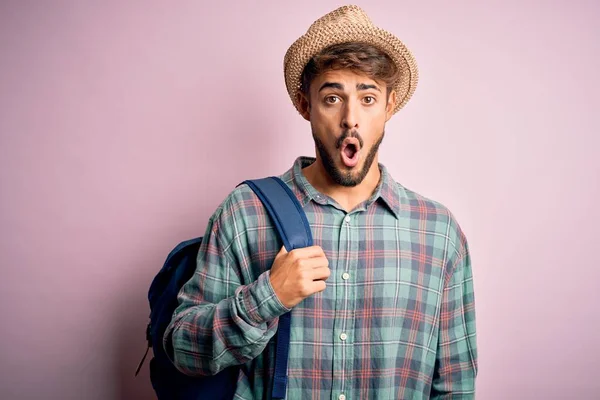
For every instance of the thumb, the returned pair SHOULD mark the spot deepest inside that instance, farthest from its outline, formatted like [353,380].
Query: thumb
[282,251]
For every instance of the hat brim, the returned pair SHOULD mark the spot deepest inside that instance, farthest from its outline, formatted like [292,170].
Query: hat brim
[309,45]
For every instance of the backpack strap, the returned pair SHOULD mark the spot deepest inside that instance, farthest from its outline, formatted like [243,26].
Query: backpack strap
[294,230]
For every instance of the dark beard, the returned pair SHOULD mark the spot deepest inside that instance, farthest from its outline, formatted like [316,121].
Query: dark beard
[346,178]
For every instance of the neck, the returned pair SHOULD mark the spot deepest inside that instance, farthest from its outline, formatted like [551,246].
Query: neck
[347,197]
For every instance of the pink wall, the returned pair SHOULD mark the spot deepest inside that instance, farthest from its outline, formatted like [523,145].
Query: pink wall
[124,124]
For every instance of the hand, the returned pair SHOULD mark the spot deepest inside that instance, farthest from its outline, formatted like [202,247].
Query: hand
[299,274]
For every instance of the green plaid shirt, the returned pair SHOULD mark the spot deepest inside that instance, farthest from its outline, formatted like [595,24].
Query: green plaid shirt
[396,321]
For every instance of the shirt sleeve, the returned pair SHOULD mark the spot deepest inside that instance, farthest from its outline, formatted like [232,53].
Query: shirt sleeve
[456,360]
[221,322]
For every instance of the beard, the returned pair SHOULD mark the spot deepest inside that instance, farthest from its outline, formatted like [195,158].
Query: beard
[345,177]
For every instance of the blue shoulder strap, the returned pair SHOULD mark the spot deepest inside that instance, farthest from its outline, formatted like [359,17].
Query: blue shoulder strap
[294,230]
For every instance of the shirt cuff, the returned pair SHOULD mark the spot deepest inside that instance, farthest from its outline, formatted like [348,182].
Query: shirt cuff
[258,301]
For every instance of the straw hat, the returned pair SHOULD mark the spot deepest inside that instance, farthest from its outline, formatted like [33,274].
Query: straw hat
[349,24]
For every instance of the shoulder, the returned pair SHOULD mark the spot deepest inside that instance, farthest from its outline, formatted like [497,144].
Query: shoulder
[436,217]
[242,229]
[240,211]
[240,203]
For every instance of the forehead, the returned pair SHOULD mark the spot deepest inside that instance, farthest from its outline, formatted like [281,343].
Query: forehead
[348,78]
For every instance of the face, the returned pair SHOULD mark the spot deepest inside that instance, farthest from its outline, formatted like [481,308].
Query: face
[347,112]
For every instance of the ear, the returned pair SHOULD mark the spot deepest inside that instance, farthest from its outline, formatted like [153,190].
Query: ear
[391,104]
[304,105]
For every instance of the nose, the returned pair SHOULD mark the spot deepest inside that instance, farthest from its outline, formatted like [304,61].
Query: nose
[350,116]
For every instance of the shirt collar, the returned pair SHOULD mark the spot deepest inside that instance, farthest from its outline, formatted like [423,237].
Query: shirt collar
[387,191]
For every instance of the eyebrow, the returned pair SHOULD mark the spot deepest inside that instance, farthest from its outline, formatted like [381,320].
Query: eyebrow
[339,86]
[333,85]
[362,86]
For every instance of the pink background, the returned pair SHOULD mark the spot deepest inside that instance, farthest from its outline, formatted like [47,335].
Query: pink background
[124,124]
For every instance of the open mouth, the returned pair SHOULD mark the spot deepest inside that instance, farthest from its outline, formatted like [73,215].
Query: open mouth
[350,152]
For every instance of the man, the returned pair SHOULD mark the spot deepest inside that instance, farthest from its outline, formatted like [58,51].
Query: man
[383,303]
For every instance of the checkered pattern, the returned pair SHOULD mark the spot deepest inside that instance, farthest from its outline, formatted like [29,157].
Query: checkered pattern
[396,321]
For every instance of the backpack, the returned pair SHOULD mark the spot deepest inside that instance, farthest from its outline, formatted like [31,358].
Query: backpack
[168,382]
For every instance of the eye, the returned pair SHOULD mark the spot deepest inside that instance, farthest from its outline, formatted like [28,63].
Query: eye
[370,99]
[331,99]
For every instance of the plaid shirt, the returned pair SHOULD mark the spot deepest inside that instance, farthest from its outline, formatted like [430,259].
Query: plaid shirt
[396,321]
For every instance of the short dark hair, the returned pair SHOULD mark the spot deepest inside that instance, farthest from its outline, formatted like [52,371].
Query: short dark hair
[355,56]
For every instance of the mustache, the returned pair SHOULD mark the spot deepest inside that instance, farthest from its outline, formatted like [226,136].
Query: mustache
[346,134]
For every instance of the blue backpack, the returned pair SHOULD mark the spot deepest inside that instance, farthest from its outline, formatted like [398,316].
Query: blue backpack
[168,382]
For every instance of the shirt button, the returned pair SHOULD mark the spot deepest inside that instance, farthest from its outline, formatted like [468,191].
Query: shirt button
[341,397]
[343,336]
[345,275]
[347,219]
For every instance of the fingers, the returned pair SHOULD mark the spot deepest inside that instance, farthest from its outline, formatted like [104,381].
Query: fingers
[308,252]
[318,286]
[312,263]
[320,273]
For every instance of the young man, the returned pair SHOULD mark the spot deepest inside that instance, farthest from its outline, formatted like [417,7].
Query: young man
[383,304]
